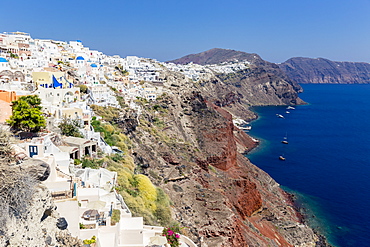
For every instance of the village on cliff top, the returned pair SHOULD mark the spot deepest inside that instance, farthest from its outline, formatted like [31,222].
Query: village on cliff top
[57,72]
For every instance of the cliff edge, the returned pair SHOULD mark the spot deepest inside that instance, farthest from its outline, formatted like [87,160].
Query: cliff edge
[188,145]
[320,70]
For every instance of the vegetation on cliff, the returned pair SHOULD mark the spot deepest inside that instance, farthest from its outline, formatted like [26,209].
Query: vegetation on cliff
[186,143]
[141,196]
[70,127]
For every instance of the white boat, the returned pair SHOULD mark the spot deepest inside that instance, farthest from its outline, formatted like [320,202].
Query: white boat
[290,108]
[287,112]
[279,115]
[281,157]
[285,141]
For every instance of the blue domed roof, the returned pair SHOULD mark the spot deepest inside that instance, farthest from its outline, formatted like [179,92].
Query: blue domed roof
[79,41]
[80,58]
[93,65]
[3,60]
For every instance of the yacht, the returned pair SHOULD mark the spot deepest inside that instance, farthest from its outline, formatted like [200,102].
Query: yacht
[285,140]
[281,157]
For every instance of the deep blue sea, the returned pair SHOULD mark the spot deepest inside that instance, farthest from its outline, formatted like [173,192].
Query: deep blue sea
[327,159]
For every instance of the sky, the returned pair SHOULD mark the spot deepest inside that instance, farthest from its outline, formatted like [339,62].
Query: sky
[277,30]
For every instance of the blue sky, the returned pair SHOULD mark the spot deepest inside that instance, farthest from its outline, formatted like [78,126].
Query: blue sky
[164,29]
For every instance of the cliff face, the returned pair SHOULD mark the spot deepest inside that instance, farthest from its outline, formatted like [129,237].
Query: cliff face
[29,216]
[320,70]
[218,195]
[261,83]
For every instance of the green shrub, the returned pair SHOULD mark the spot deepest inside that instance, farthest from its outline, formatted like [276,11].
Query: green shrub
[90,241]
[116,216]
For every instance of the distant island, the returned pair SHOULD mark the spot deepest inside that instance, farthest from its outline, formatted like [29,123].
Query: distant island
[298,69]
[321,70]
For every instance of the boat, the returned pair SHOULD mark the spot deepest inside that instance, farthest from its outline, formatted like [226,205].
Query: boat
[281,157]
[287,112]
[279,115]
[245,127]
[285,140]
[290,108]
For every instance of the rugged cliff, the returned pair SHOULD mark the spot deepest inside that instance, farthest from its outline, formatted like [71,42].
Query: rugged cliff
[261,83]
[29,216]
[189,146]
[320,70]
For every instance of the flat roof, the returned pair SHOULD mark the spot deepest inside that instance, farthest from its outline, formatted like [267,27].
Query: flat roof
[77,140]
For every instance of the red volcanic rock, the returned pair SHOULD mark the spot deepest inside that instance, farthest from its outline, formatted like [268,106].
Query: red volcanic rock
[225,200]
[245,197]
[171,159]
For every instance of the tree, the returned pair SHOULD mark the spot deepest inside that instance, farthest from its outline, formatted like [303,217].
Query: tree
[27,114]
[70,127]
[83,88]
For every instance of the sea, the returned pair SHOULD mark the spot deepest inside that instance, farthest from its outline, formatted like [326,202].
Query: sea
[327,158]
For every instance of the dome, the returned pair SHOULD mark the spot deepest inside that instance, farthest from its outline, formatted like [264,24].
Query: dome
[80,58]
[79,41]
[93,65]
[3,60]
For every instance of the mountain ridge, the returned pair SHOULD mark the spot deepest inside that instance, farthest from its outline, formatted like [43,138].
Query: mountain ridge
[322,70]
[215,56]
[300,70]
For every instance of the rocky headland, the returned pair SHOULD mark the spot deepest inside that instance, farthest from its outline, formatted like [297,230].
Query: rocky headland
[321,70]
[187,144]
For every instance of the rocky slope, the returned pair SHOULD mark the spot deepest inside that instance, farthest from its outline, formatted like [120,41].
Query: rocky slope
[320,70]
[29,216]
[189,147]
[262,83]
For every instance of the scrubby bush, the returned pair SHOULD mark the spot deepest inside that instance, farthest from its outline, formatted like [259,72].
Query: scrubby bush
[107,113]
[90,241]
[17,189]
[70,127]
[116,216]
[112,135]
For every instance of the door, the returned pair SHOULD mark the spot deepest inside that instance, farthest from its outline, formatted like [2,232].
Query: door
[33,151]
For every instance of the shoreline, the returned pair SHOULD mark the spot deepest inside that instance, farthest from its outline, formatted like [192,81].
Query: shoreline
[291,197]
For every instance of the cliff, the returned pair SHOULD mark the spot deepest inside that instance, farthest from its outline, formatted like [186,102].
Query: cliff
[261,83]
[29,216]
[188,146]
[320,70]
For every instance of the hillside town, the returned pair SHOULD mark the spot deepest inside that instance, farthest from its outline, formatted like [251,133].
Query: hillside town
[105,151]
[68,78]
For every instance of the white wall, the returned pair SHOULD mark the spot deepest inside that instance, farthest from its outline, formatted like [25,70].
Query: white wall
[70,210]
